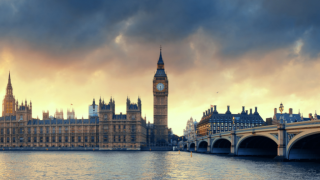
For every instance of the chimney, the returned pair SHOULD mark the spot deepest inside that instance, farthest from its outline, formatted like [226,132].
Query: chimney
[290,111]
[310,116]
[242,108]
[228,108]
[215,107]
[211,109]
[275,111]
[204,113]
[250,111]
[246,111]
[256,110]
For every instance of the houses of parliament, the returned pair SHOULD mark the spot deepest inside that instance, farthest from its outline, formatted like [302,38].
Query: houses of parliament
[103,130]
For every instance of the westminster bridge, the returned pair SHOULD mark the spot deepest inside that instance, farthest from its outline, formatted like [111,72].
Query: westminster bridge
[299,140]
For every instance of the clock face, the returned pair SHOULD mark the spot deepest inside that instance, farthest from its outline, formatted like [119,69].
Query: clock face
[160,86]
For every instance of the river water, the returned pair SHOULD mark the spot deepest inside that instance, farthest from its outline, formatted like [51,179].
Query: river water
[147,165]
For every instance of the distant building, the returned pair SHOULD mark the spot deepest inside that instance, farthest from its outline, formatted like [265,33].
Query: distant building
[191,128]
[59,114]
[70,114]
[290,117]
[212,122]
[93,109]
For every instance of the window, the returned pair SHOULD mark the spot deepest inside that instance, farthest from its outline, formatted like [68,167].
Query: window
[47,139]
[60,139]
[41,139]
[92,138]
[114,128]
[53,130]
[21,139]
[124,126]
[124,138]
[105,138]
[29,130]
[66,129]
[2,139]
[72,138]
[8,140]
[114,138]
[98,139]
[133,138]
[79,138]
[29,139]
[1,131]
[41,130]
[35,130]
[13,130]
[66,139]
[60,129]
[35,139]
[86,139]
[8,130]
[53,139]
[14,139]
[72,129]
[133,128]
[21,130]
[47,130]
[105,129]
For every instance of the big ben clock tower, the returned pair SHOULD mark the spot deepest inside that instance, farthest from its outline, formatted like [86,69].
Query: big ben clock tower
[160,103]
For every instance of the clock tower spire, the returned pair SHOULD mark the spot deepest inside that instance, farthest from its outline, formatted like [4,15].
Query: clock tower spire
[160,103]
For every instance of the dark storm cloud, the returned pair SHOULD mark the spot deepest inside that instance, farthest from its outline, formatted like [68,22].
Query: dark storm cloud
[238,26]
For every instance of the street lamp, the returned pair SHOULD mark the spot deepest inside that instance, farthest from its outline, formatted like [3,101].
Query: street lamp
[233,123]
[281,108]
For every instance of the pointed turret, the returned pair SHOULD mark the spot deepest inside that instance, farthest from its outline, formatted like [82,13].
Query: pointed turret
[9,86]
[160,67]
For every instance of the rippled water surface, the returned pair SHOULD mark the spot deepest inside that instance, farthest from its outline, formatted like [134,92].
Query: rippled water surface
[147,165]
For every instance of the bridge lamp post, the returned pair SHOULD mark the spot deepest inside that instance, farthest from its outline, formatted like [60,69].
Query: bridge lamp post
[281,108]
[233,122]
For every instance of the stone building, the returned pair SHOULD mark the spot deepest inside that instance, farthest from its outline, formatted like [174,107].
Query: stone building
[112,132]
[212,122]
[291,117]
[121,131]
[191,128]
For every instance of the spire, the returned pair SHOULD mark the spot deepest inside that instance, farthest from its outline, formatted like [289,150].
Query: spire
[9,86]
[9,81]
[160,61]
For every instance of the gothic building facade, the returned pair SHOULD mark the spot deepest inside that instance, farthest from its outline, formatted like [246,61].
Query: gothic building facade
[108,131]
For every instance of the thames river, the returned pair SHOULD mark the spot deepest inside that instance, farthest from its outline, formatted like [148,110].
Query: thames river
[147,165]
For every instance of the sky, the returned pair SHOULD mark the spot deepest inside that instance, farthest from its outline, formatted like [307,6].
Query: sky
[238,53]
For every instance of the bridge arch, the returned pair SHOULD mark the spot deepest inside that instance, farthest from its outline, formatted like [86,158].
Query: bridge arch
[192,147]
[221,146]
[305,145]
[202,147]
[185,147]
[257,145]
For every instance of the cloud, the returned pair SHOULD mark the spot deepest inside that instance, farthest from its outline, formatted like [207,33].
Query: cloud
[239,27]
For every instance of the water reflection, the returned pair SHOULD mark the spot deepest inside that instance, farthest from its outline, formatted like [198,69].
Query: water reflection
[147,165]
